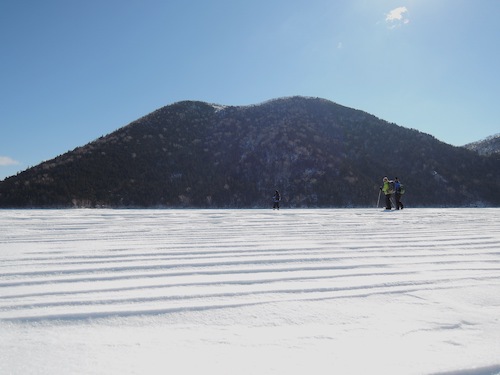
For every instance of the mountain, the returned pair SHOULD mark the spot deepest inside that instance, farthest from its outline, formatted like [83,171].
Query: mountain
[315,152]
[487,146]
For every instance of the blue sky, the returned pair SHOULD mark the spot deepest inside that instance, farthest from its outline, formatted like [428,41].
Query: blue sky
[72,71]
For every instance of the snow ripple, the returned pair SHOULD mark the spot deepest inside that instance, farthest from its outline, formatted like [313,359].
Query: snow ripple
[85,264]
[291,291]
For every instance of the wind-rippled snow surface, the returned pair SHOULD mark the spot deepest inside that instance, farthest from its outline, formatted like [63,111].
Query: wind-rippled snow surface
[323,291]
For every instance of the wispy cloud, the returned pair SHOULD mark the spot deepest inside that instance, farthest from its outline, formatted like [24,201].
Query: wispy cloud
[6,161]
[397,17]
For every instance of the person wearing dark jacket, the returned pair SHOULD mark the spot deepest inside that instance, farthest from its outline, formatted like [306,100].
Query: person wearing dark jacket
[276,200]
[397,194]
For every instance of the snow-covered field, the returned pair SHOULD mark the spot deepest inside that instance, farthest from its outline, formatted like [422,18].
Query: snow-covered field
[325,291]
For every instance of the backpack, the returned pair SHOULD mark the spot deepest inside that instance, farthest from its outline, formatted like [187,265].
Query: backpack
[392,189]
[401,189]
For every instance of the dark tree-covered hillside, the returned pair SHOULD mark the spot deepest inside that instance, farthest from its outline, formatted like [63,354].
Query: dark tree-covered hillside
[316,152]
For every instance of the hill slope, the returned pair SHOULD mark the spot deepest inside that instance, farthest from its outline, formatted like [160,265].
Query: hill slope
[316,152]
[488,146]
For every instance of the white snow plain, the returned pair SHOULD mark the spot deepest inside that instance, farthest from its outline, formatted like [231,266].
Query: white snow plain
[295,291]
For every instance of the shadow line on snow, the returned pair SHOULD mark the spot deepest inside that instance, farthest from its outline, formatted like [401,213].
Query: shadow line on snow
[406,288]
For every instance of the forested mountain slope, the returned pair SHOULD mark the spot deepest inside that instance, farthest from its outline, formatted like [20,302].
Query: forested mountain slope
[315,152]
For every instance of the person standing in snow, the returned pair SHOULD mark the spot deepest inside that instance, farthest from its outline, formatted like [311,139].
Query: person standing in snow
[387,190]
[397,194]
[276,199]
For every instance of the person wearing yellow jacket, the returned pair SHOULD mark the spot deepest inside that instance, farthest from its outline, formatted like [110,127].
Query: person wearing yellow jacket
[387,190]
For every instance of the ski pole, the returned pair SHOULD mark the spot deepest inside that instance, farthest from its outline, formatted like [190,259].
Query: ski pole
[393,202]
[378,200]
